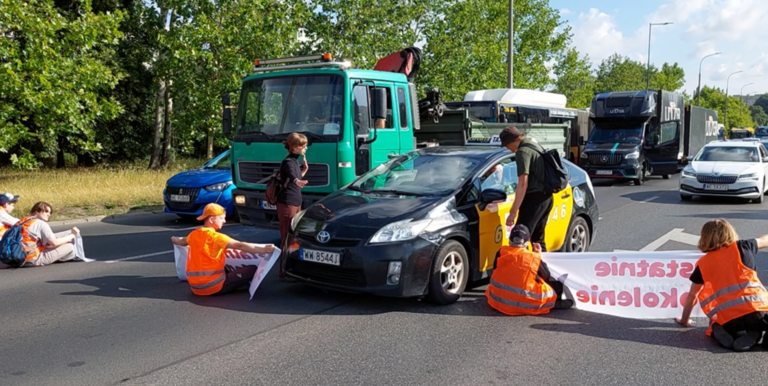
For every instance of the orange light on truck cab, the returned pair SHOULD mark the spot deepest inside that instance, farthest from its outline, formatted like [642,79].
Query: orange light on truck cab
[327,57]
[256,62]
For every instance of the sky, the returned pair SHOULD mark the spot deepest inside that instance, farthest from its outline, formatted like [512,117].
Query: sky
[700,27]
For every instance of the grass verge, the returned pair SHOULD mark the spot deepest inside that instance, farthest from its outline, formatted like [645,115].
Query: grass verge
[84,192]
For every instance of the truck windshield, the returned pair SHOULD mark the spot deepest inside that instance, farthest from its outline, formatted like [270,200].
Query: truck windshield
[617,133]
[418,175]
[272,108]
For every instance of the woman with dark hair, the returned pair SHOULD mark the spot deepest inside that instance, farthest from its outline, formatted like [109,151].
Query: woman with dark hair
[291,175]
[726,285]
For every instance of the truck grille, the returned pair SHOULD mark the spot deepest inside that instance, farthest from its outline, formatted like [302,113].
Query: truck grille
[191,192]
[705,178]
[605,159]
[259,172]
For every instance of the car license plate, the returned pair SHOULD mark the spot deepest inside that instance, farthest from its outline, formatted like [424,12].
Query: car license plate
[604,172]
[266,205]
[715,187]
[179,198]
[323,257]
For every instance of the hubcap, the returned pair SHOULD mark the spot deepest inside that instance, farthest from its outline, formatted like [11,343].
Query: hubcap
[578,238]
[452,272]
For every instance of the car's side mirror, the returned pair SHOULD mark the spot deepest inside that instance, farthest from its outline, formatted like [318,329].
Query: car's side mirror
[689,158]
[488,196]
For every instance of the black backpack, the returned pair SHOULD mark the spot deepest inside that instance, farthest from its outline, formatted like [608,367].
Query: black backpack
[11,250]
[555,176]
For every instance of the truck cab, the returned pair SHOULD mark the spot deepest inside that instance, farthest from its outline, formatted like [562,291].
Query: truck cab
[353,119]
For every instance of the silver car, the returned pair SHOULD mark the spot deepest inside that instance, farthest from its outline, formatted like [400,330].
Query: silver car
[728,169]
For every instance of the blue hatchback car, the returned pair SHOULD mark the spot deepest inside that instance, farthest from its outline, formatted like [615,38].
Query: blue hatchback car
[187,193]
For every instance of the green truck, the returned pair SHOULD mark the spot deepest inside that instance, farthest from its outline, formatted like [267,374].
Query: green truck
[354,120]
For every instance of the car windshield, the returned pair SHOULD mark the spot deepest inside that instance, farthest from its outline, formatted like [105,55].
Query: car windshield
[762,132]
[728,154]
[221,163]
[623,133]
[418,174]
[272,108]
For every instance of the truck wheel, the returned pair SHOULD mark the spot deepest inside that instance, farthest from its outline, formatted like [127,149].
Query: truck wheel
[665,176]
[450,271]
[577,239]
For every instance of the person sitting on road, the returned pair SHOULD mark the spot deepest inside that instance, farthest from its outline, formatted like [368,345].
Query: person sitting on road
[521,283]
[7,203]
[39,242]
[725,282]
[206,259]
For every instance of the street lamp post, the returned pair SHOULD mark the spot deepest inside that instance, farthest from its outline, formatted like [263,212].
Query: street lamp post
[698,89]
[725,110]
[741,96]
[510,43]
[648,66]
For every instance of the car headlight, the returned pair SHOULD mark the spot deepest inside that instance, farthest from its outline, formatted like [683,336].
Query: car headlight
[632,155]
[750,176]
[688,173]
[584,155]
[295,220]
[218,187]
[400,231]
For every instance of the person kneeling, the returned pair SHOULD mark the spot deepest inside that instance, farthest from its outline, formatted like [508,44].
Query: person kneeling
[521,283]
[206,258]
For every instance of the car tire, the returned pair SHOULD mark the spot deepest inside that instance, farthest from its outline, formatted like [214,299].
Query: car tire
[759,199]
[639,181]
[577,238]
[665,176]
[685,197]
[449,275]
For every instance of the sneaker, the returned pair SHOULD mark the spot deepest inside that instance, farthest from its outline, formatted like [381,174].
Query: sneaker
[746,340]
[563,304]
[721,336]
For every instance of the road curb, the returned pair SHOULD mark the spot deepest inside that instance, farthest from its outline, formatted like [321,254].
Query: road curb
[100,218]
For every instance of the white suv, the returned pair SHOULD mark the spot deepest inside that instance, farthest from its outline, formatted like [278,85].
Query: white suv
[726,168]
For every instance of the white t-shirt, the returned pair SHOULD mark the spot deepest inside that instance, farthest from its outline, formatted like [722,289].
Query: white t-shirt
[6,218]
[41,231]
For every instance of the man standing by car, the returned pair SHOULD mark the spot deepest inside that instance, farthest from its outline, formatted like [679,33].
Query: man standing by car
[530,188]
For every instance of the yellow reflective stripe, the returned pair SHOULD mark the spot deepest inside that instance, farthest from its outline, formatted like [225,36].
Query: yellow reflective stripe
[520,291]
[736,302]
[205,273]
[729,289]
[209,284]
[517,304]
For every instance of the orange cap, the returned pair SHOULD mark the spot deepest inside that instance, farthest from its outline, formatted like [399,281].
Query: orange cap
[212,210]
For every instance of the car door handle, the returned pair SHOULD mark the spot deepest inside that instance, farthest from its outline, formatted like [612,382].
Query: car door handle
[566,195]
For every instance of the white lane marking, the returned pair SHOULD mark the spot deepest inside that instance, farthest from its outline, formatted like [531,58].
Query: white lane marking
[676,234]
[649,200]
[138,257]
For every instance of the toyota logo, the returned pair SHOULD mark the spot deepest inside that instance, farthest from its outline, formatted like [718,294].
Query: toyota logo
[604,159]
[323,237]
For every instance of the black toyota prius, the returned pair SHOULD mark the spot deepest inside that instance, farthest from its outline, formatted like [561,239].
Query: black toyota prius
[427,223]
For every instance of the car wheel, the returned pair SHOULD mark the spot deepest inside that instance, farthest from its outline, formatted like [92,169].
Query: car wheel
[665,176]
[450,271]
[685,197]
[759,199]
[577,239]
[639,181]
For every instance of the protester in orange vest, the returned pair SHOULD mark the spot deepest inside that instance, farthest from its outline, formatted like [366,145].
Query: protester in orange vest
[206,273]
[7,203]
[39,241]
[521,283]
[726,285]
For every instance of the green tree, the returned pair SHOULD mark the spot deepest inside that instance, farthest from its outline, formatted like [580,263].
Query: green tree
[738,113]
[574,79]
[758,115]
[52,72]
[619,73]
[466,45]
[762,101]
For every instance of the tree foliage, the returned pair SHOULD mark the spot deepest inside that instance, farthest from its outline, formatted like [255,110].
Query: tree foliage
[758,115]
[52,72]
[574,79]
[619,73]
[738,114]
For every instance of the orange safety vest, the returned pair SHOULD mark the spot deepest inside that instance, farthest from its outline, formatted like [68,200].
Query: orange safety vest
[515,288]
[205,273]
[730,289]
[4,228]
[31,246]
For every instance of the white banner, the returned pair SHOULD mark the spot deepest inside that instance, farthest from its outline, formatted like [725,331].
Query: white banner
[638,285]
[78,241]
[234,260]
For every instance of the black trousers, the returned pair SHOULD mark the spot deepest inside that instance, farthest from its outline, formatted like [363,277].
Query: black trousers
[237,279]
[755,321]
[534,213]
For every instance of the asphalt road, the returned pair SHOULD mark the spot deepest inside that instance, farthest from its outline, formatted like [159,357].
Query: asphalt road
[126,319]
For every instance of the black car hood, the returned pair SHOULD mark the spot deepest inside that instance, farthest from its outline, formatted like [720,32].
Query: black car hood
[618,147]
[349,210]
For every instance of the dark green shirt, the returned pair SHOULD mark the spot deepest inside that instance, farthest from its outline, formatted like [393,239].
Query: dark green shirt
[530,162]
